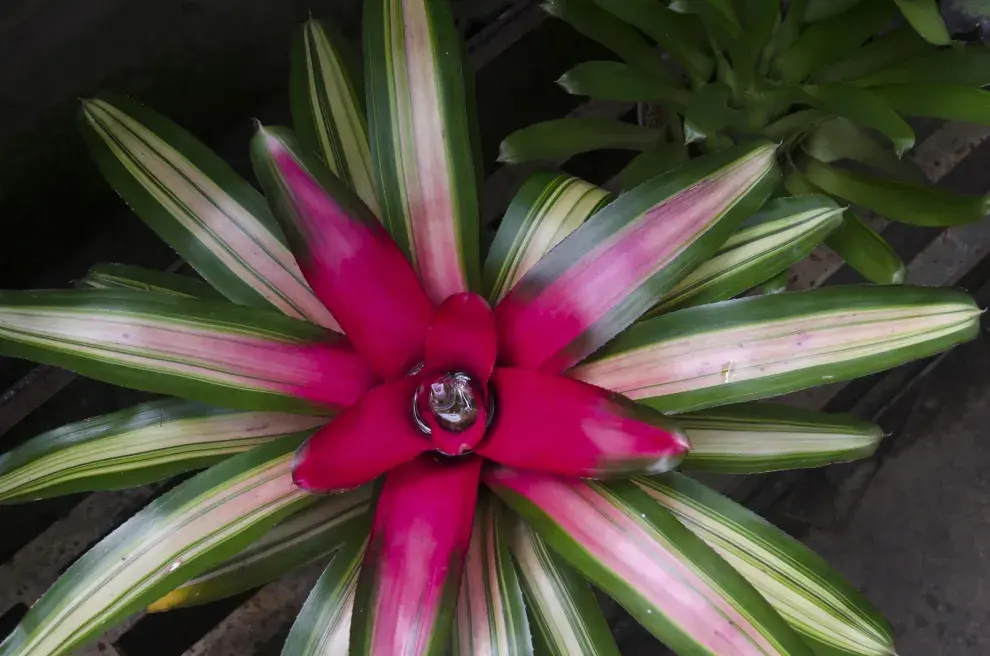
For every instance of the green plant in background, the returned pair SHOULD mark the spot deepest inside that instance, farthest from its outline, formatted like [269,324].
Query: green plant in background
[495,435]
[830,80]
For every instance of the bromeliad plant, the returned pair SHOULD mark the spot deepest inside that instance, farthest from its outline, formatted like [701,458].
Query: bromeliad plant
[520,427]
[830,80]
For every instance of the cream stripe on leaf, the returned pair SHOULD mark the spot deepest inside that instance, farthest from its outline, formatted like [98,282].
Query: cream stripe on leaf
[195,202]
[490,619]
[759,437]
[814,599]
[323,626]
[308,536]
[186,531]
[783,233]
[124,276]
[564,614]
[421,140]
[136,446]
[547,208]
[764,346]
[327,112]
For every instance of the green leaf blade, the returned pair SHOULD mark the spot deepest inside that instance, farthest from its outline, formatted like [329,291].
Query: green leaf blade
[562,138]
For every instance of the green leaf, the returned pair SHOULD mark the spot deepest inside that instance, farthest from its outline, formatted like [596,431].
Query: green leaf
[866,251]
[720,14]
[925,18]
[763,346]
[547,208]
[911,204]
[610,80]
[882,52]
[140,445]
[327,112]
[966,67]
[839,139]
[815,600]
[784,232]
[662,157]
[601,26]
[209,351]
[323,626]
[952,103]
[634,550]
[186,531]
[759,437]
[122,276]
[563,611]
[709,112]
[777,284]
[865,109]
[830,40]
[562,138]
[421,140]
[491,614]
[795,124]
[681,35]
[821,9]
[195,202]
[858,244]
[305,537]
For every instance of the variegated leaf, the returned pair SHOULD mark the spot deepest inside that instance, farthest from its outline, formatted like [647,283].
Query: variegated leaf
[641,556]
[123,276]
[547,208]
[194,201]
[140,445]
[210,351]
[491,616]
[563,610]
[323,626]
[421,140]
[783,233]
[763,346]
[760,437]
[327,112]
[308,536]
[181,534]
[814,599]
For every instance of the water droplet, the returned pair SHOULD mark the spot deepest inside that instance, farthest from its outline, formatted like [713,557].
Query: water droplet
[827,377]
[728,369]
[174,566]
[649,612]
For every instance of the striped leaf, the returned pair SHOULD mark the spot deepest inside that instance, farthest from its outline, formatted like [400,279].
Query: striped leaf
[916,205]
[563,138]
[305,537]
[952,103]
[608,272]
[202,522]
[784,232]
[123,276]
[631,548]
[323,626]
[763,346]
[760,437]
[491,615]
[925,18]
[140,445]
[421,140]
[327,111]
[562,608]
[209,351]
[547,208]
[194,201]
[815,600]
[611,80]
